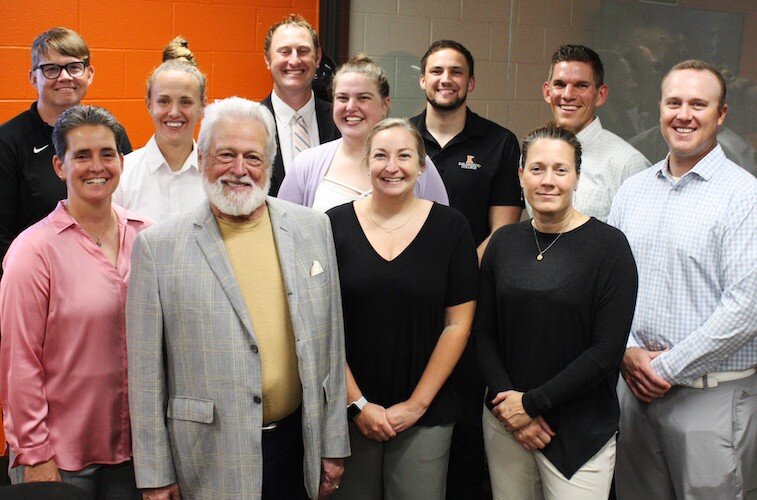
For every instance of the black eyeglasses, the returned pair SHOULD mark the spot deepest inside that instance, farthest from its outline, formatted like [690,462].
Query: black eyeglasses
[52,70]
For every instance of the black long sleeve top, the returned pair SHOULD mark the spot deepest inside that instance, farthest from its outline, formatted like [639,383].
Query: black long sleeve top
[556,330]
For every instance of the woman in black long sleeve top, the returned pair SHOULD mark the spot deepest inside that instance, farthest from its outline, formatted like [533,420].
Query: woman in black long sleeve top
[555,308]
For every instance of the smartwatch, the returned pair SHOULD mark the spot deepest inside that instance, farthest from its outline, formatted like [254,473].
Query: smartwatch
[354,409]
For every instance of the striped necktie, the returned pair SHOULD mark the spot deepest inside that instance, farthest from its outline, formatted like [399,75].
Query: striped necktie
[301,135]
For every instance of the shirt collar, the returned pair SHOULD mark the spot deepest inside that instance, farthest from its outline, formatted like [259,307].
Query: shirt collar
[705,168]
[155,159]
[590,132]
[284,113]
[61,220]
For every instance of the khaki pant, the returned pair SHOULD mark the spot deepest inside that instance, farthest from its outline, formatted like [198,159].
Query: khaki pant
[519,474]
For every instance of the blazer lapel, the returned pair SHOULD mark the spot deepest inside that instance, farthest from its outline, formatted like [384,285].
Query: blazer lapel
[277,176]
[282,233]
[211,244]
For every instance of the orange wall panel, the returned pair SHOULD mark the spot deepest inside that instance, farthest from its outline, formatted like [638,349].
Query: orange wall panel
[127,39]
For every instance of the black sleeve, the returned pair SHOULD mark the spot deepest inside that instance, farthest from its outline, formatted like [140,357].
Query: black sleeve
[505,190]
[486,329]
[9,186]
[614,300]
[462,277]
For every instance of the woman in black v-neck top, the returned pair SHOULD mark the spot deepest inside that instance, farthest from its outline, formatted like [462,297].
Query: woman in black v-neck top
[409,279]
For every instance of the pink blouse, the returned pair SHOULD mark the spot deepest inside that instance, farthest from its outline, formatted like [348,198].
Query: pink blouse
[63,344]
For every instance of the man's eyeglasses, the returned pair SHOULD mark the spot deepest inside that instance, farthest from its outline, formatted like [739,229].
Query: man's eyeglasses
[52,70]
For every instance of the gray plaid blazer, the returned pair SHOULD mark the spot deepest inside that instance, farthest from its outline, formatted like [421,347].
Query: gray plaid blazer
[194,376]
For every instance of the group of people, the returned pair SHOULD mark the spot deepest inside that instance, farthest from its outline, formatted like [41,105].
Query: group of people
[185,321]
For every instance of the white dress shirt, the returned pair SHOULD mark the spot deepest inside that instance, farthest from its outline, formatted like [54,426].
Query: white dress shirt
[285,123]
[150,188]
[606,161]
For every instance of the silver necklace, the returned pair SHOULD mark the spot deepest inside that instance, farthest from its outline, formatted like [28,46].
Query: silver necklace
[536,239]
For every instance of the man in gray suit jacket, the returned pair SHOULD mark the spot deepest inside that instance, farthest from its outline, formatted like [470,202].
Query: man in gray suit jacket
[235,335]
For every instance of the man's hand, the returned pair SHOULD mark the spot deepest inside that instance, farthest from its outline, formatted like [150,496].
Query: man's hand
[43,472]
[508,408]
[404,415]
[373,423]
[331,474]
[641,377]
[170,492]
[536,435]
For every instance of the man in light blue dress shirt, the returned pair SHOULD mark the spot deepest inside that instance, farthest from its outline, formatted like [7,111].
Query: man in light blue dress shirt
[688,400]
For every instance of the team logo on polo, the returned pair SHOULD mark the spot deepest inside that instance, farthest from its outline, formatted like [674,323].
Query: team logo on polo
[469,164]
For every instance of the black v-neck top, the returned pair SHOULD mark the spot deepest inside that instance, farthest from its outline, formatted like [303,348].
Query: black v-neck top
[556,329]
[394,310]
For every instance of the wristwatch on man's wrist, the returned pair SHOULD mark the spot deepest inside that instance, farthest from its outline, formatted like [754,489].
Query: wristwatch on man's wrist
[354,408]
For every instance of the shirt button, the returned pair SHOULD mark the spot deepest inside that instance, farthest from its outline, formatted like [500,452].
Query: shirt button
[254,348]
[257,399]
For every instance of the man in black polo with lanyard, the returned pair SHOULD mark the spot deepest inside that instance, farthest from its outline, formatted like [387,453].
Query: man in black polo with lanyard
[478,161]
[29,189]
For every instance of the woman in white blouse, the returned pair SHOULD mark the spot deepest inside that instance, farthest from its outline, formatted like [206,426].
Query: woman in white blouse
[162,178]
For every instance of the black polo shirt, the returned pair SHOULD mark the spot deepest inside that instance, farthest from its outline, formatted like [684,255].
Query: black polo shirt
[479,167]
[29,188]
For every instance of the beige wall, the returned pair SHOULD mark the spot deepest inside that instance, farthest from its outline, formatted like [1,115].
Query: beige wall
[511,41]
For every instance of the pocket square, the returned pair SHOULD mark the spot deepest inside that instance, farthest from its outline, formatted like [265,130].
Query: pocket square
[316,268]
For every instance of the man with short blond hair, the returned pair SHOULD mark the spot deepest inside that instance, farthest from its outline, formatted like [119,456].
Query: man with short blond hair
[688,413]
[292,55]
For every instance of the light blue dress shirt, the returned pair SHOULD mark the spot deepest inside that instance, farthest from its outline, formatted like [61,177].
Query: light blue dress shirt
[695,244]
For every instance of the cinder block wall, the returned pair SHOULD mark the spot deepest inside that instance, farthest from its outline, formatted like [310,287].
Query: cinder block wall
[511,41]
[127,37]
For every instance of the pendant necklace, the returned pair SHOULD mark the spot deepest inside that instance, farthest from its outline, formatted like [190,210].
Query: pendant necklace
[390,230]
[98,238]
[536,239]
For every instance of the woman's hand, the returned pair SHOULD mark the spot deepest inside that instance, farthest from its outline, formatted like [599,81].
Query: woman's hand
[508,408]
[404,415]
[43,472]
[373,424]
[536,435]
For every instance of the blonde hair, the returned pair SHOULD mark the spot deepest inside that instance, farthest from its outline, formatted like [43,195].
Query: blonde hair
[65,41]
[361,63]
[401,123]
[178,57]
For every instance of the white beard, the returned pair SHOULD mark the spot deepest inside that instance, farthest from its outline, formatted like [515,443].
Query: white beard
[233,203]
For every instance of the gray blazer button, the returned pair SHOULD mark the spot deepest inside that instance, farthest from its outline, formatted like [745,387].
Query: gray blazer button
[254,348]
[257,399]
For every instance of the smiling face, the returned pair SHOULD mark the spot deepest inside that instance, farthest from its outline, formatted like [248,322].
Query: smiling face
[175,106]
[236,170]
[446,80]
[358,105]
[549,177]
[690,116]
[65,91]
[91,166]
[573,95]
[393,162]
[292,60]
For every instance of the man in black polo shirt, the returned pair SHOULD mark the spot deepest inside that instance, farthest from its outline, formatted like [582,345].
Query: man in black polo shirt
[478,161]
[29,189]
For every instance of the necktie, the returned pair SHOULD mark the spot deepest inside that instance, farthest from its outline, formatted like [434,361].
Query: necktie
[301,135]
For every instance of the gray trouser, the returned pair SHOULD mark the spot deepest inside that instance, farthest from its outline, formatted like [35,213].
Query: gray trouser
[411,466]
[691,443]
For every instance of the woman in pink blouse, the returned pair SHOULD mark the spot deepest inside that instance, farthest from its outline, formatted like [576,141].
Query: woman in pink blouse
[62,299]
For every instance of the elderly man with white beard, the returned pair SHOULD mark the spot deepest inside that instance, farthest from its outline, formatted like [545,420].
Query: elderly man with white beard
[235,337]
